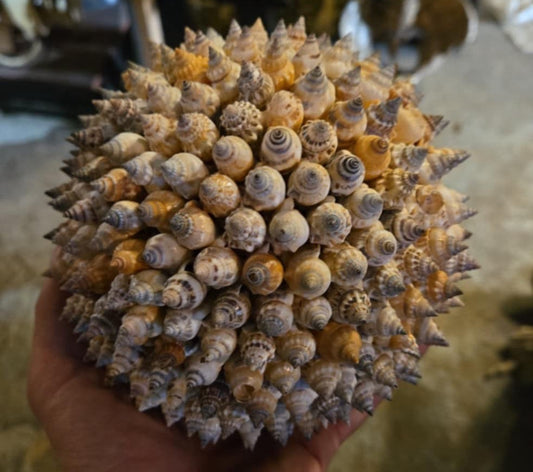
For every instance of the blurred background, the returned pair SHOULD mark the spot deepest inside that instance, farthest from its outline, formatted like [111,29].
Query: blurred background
[473,63]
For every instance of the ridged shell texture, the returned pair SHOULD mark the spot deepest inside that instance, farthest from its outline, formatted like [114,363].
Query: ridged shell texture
[257,236]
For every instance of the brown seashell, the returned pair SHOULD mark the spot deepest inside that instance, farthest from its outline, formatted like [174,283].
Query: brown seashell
[273,317]
[440,287]
[243,381]
[198,98]
[233,35]
[384,282]
[264,188]
[244,120]
[183,324]
[365,206]
[347,265]
[412,304]
[347,382]
[288,230]
[93,169]
[339,342]
[233,157]
[350,305]
[167,356]
[319,141]
[232,418]
[323,376]
[329,224]
[309,184]
[146,287]
[93,137]
[429,199]
[382,118]
[219,195]
[256,349]
[313,314]
[192,227]
[61,235]
[338,59]
[284,109]
[217,267]
[375,86]
[184,291]
[375,154]
[247,48]
[349,120]
[187,66]
[395,185]
[281,149]
[262,273]
[197,134]
[417,264]
[162,251]
[259,32]
[245,229]
[158,207]
[255,86]
[439,162]
[282,375]
[160,132]
[127,256]
[107,237]
[297,347]
[163,98]
[218,344]
[78,245]
[279,425]
[223,73]
[124,216]
[427,332]
[408,157]
[124,146]
[277,63]
[299,401]
[411,126]
[136,81]
[347,86]
[388,323]
[199,372]
[262,405]
[405,229]
[145,169]
[231,309]
[316,92]
[307,57]
[363,396]
[184,172]
[117,185]
[138,325]
[173,407]
[296,33]
[462,262]
[307,275]
[346,172]
[440,245]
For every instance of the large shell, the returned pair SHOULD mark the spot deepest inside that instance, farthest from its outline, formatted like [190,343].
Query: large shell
[258,235]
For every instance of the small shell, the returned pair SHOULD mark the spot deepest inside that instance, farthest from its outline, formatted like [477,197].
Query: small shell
[78,191]
[427,332]
[138,325]
[395,185]
[160,132]
[233,157]
[323,376]
[282,375]
[382,118]
[124,146]
[200,372]
[439,162]
[245,230]
[124,360]
[78,245]
[417,264]
[192,227]
[107,237]
[145,169]
[256,349]
[462,262]
[93,136]
[124,216]
[213,399]
[137,81]
[338,59]
[388,323]
[184,324]
[242,119]
[255,86]
[264,188]
[351,305]
[276,63]
[217,267]
[124,113]
[259,33]
[187,66]
[243,381]
[162,251]
[307,275]
[262,405]
[158,207]
[349,120]
[375,86]
[288,231]
[440,245]
[167,356]
[198,98]
[363,396]
[347,85]
[184,172]
[218,344]
[347,265]
[375,154]
[146,287]
[309,184]
[197,43]
[313,314]
[61,235]
[316,92]
[197,134]
[297,347]
[247,48]
[231,309]
[384,282]
[411,126]
[307,57]
[284,109]
[279,425]
[93,169]
[223,73]
[440,287]
[274,318]
[329,224]
[219,195]
[346,172]
[233,35]
[405,229]
[281,149]
[429,199]
[339,342]
[232,418]
[127,256]
[365,206]
[408,157]
[319,141]
[183,291]
[163,98]
[346,383]
[296,33]
[262,273]
[299,401]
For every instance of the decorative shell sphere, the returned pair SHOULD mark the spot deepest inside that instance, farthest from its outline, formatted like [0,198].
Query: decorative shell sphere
[256,234]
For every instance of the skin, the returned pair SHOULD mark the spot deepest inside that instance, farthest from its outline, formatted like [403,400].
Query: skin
[92,427]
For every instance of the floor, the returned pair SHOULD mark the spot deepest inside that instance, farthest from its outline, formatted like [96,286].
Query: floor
[454,420]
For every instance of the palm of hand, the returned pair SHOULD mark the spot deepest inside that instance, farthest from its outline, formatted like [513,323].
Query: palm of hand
[94,428]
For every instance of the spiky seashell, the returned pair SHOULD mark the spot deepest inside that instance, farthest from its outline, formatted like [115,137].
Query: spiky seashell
[316,92]
[319,141]
[219,195]
[253,253]
[284,109]
[244,120]
[233,157]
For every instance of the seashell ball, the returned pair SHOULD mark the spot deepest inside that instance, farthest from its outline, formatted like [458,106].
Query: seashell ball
[256,235]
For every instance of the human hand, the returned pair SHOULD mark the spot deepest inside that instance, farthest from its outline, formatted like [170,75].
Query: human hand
[94,428]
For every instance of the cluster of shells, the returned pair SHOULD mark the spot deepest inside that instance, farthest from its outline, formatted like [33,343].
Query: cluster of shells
[257,235]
